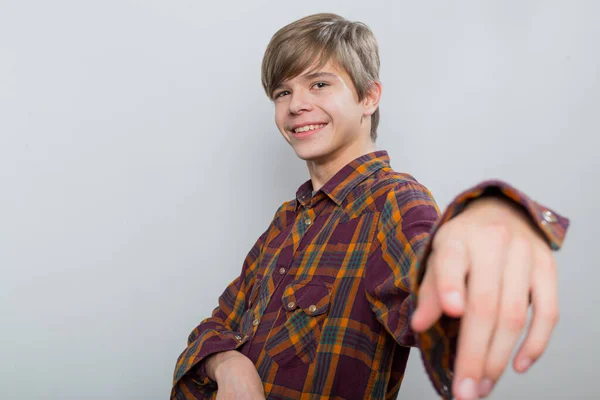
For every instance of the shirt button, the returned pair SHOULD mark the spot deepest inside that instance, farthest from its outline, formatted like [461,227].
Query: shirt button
[281,271]
[312,308]
[255,322]
[307,221]
[549,216]
[291,305]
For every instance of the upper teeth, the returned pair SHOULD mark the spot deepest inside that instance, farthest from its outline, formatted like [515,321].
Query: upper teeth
[308,128]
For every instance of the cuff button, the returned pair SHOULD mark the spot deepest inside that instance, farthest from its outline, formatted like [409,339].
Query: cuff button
[549,216]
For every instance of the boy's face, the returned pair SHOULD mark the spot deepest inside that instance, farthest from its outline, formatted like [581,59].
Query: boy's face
[320,116]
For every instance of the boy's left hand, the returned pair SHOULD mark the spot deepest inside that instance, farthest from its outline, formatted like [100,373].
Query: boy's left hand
[484,265]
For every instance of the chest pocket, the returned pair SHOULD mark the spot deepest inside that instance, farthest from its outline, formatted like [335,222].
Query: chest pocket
[297,331]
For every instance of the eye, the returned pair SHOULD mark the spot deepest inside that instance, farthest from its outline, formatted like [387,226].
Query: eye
[320,85]
[281,94]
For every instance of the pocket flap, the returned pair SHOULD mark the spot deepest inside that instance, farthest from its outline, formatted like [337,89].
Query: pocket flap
[311,296]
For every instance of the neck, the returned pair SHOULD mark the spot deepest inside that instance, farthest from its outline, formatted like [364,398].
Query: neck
[321,171]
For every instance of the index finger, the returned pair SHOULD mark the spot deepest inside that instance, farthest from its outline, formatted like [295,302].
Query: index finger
[487,253]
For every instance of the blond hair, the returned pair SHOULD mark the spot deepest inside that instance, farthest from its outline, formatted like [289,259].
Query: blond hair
[352,45]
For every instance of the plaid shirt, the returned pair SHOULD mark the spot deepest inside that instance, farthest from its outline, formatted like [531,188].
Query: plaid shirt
[323,303]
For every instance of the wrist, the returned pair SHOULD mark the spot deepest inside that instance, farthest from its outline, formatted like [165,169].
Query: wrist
[501,207]
[215,361]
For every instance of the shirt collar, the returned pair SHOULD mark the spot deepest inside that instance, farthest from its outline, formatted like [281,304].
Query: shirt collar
[346,179]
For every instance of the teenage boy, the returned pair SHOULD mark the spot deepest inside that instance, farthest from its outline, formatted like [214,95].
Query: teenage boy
[360,266]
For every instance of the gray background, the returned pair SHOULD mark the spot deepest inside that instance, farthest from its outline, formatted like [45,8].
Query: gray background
[139,161]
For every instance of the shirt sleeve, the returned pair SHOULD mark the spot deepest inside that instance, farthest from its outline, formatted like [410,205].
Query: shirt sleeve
[216,334]
[407,218]
[408,223]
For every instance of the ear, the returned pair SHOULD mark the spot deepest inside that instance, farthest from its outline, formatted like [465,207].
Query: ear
[371,100]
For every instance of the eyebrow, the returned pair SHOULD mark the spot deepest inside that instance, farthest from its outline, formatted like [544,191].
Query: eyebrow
[319,74]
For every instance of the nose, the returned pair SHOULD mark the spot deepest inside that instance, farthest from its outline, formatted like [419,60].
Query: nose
[299,102]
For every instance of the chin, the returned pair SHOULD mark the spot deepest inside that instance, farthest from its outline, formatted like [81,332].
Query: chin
[307,153]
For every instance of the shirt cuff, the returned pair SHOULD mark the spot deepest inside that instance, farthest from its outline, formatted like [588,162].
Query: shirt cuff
[190,377]
[438,344]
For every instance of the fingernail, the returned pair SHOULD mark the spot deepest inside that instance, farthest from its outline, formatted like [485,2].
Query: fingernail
[485,387]
[454,299]
[467,389]
[523,364]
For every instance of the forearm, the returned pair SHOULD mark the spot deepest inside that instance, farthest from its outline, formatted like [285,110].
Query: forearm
[214,361]
[235,375]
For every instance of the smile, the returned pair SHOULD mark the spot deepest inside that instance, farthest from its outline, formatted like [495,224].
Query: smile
[307,130]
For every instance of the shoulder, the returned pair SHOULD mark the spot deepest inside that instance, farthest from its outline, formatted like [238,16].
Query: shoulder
[404,201]
[398,189]
[284,214]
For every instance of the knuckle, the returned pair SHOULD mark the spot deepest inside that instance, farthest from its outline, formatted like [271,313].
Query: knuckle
[498,232]
[556,318]
[472,364]
[442,235]
[551,317]
[433,262]
[521,244]
[536,348]
[445,286]
[425,295]
[515,318]
[483,307]
[545,259]
[494,369]
[454,248]
[548,315]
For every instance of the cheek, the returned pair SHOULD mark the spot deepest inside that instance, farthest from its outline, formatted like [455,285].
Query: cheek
[279,122]
[342,115]
[340,106]
[279,119]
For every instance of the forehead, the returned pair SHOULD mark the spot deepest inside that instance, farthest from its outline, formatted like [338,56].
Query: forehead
[329,70]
